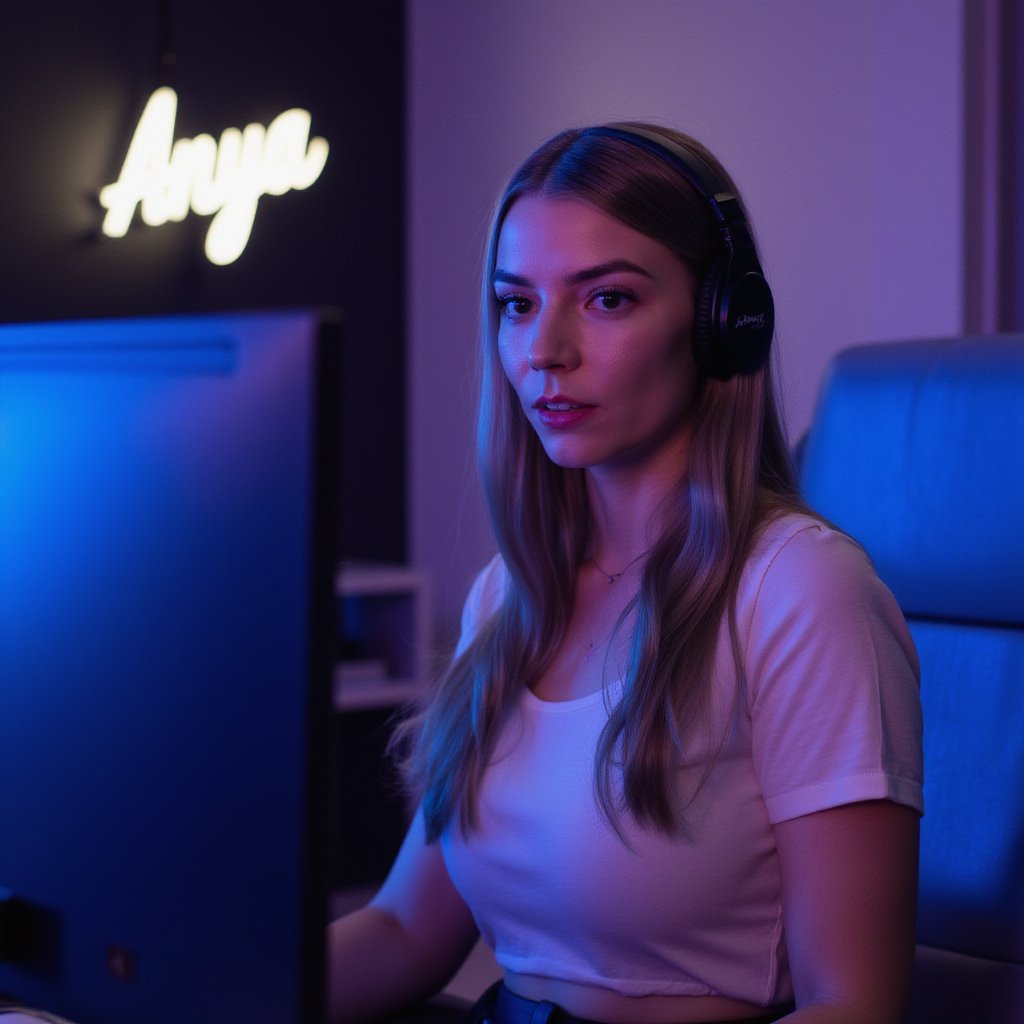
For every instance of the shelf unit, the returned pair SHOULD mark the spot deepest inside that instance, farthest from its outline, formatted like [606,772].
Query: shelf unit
[385,634]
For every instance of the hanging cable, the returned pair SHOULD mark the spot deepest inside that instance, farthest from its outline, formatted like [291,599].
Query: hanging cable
[166,55]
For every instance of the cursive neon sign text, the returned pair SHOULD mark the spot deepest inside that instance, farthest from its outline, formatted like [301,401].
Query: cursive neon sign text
[224,178]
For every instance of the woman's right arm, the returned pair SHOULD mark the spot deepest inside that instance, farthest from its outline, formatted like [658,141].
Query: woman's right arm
[406,944]
[416,932]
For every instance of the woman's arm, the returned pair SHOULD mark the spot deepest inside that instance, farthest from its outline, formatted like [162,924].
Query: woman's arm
[849,890]
[406,944]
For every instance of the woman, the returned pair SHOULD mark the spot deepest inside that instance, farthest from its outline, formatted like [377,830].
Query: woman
[673,773]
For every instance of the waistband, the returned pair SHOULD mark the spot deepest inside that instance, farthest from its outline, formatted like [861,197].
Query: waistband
[499,1005]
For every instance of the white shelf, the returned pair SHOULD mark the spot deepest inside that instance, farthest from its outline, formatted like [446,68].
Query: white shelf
[386,625]
[361,696]
[378,578]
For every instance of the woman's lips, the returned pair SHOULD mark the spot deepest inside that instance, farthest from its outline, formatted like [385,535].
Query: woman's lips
[561,412]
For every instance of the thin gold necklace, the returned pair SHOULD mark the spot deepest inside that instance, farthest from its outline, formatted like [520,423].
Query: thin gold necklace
[611,577]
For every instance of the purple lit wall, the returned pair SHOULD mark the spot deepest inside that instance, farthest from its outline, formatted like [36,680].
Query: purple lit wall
[842,122]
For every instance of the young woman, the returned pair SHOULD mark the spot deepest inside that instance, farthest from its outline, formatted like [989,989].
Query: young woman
[673,773]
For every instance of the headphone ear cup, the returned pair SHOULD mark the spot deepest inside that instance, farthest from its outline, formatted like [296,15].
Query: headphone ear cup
[734,320]
[705,321]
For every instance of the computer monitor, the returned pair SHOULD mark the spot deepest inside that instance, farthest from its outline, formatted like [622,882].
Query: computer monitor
[166,636]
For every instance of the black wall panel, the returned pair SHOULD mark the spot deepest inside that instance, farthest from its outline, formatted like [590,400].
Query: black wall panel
[74,78]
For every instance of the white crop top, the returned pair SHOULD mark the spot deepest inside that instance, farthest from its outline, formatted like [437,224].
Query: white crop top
[831,716]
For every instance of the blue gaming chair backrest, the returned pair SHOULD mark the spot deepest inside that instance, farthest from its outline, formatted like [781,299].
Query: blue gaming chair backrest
[917,451]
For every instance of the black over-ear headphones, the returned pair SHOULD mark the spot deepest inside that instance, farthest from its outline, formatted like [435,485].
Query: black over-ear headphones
[735,316]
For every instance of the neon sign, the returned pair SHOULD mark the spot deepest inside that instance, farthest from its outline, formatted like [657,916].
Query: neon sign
[225,178]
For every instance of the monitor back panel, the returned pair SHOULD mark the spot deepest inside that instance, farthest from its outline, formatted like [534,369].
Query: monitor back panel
[162,679]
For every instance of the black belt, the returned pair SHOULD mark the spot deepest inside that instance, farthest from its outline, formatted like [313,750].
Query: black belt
[501,1006]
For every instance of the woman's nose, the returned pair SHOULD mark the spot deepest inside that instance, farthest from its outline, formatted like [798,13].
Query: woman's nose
[554,342]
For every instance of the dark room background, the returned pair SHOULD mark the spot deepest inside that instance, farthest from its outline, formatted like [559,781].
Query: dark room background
[74,78]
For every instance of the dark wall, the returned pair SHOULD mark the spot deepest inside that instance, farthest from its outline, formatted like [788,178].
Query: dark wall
[73,80]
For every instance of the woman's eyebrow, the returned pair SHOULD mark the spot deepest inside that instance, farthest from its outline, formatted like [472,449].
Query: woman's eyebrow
[506,277]
[611,267]
[578,276]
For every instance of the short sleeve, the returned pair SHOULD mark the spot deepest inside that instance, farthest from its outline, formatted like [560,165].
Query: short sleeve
[484,597]
[832,679]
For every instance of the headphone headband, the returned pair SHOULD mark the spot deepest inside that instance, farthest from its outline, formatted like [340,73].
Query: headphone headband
[735,316]
[701,175]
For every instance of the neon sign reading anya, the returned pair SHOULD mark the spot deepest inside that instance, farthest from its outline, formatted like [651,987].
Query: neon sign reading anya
[225,178]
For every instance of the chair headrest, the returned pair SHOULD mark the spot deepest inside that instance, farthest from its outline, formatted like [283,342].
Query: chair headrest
[917,451]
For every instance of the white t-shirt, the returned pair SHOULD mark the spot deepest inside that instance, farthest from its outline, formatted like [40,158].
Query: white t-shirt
[831,715]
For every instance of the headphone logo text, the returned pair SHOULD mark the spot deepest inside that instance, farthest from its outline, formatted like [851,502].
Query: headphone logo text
[754,320]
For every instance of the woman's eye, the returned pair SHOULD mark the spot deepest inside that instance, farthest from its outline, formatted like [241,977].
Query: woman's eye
[611,300]
[514,307]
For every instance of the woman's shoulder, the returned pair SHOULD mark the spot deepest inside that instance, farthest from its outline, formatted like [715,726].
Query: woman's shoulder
[806,578]
[830,672]
[797,554]
[799,539]
[484,598]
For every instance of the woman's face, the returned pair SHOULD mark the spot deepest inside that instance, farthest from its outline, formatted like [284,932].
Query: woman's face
[595,326]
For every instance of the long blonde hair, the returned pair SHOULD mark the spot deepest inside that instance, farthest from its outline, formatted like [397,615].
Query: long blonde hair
[739,475]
